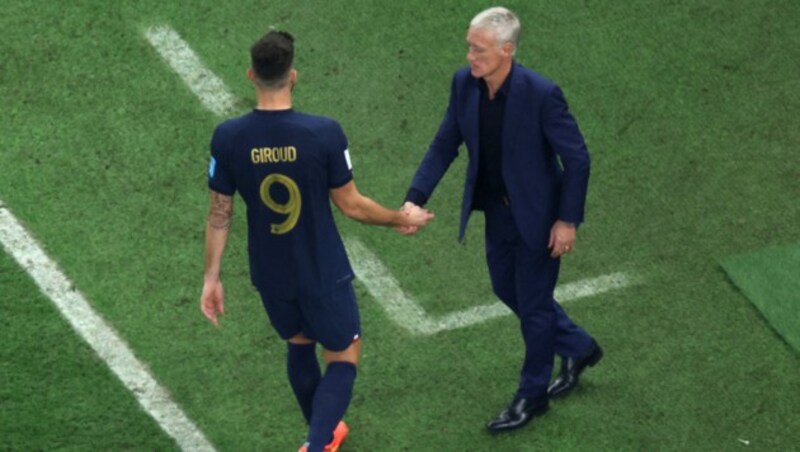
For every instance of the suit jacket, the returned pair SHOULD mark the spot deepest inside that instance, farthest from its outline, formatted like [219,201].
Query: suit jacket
[545,160]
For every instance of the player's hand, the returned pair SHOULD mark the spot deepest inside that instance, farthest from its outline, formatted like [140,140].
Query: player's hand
[407,230]
[212,300]
[562,239]
[417,217]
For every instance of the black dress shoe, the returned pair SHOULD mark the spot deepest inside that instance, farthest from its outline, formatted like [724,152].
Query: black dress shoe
[571,369]
[519,413]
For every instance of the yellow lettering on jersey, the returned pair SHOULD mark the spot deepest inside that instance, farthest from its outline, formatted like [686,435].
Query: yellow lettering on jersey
[273,155]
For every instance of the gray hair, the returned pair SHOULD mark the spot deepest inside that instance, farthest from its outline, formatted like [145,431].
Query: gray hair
[502,22]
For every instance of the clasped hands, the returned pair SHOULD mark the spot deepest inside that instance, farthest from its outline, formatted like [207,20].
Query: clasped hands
[419,216]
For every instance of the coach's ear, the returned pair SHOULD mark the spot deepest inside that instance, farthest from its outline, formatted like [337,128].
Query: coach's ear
[251,75]
[508,49]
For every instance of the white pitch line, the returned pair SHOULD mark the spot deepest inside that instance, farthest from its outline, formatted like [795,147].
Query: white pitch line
[209,88]
[404,311]
[99,335]
[386,290]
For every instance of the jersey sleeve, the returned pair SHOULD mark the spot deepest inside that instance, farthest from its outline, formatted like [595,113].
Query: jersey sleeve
[340,168]
[219,175]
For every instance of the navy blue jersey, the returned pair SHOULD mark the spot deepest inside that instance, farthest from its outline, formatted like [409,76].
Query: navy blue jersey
[283,163]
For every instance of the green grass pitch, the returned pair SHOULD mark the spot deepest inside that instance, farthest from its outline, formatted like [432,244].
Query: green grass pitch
[689,110]
[769,280]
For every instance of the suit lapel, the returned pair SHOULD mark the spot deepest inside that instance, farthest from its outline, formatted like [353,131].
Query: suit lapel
[511,117]
[470,132]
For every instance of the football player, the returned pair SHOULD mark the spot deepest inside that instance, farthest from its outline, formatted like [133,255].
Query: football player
[287,165]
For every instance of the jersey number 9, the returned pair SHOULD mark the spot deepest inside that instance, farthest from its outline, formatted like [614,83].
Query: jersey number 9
[292,206]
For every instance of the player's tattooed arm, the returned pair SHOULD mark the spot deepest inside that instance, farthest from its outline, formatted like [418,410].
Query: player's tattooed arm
[217,228]
[221,212]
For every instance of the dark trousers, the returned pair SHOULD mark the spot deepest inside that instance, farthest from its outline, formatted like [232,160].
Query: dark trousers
[524,279]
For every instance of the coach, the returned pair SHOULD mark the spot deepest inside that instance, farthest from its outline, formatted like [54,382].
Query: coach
[528,172]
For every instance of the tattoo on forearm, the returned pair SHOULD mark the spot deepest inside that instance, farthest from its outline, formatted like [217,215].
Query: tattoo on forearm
[221,212]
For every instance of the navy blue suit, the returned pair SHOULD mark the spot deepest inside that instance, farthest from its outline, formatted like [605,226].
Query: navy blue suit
[545,168]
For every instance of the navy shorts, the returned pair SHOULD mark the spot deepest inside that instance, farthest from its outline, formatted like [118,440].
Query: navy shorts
[331,319]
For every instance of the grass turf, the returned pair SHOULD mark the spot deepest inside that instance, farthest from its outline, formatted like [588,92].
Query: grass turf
[769,280]
[685,106]
[56,394]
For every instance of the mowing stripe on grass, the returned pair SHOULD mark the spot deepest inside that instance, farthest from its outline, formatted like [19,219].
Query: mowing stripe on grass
[209,88]
[404,311]
[98,334]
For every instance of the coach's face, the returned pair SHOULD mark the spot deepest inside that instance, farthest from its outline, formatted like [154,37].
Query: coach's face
[485,56]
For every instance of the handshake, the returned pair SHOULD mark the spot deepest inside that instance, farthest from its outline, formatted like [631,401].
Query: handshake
[416,217]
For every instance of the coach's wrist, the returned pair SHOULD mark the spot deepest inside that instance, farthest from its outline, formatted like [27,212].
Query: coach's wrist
[570,224]
[415,196]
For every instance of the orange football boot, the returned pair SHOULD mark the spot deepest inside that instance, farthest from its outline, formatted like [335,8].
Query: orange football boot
[339,435]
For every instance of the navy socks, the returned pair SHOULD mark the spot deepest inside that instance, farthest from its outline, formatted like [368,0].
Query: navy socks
[330,403]
[304,375]
[323,401]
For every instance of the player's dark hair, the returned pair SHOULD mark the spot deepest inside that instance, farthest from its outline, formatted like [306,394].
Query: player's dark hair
[272,57]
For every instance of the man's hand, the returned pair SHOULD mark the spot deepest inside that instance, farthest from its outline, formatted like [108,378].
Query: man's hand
[212,300]
[407,208]
[562,239]
[418,217]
